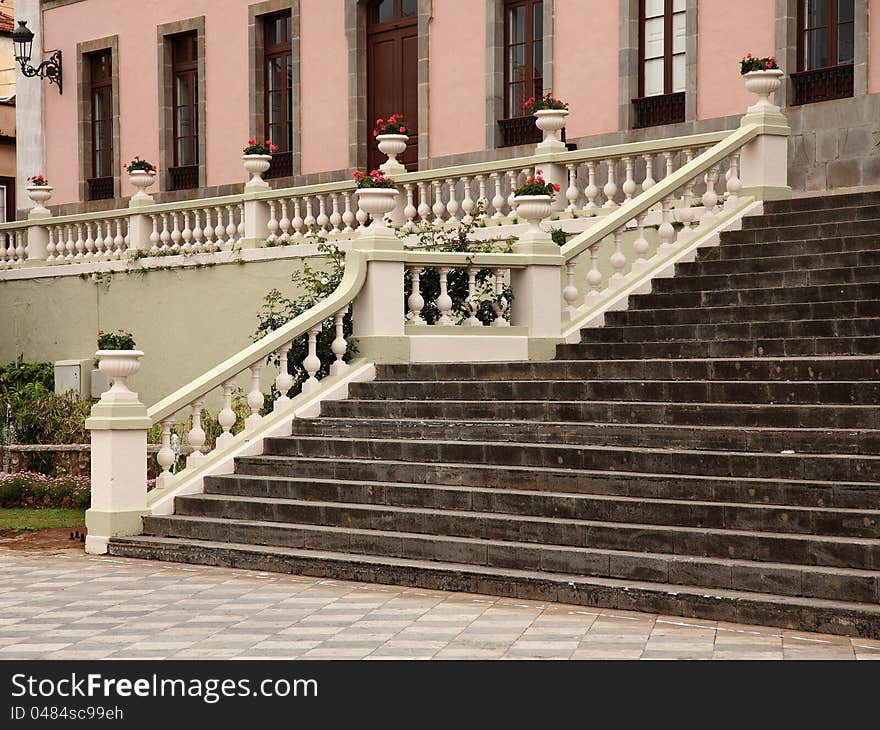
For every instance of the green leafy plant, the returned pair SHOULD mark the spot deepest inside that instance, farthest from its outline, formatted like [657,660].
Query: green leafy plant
[537,185]
[260,148]
[38,181]
[138,164]
[560,237]
[548,101]
[393,125]
[33,490]
[751,63]
[375,179]
[119,340]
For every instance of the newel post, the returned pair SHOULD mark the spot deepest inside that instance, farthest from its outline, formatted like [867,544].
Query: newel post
[537,288]
[764,160]
[256,217]
[118,426]
[37,237]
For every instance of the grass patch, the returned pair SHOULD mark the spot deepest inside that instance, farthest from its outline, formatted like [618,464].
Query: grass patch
[40,519]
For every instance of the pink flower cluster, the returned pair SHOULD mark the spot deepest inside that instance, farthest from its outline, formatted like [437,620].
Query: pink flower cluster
[375,179]
[393,125]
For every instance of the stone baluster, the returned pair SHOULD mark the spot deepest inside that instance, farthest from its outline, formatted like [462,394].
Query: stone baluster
[483,200]
[618,258]
[70,245]
[309,222]
[592,190]
[312,363]
[415,302]
[410,211]
[20,246]
[186,234]
[610,189]
[452,206]
[570,293]
[362,217]
[339,346]
[438,208]
[119,244]
[710,197]
[348,216]
[467,204]
[666,231]
[498,199]
[196,435]
[80,243]
[297,222]
[335,216]
[240,228]
[231,227]
[641,245]
[686,212]
[210,244]
[629,185]
[50,244]
[109,252]
[284,380]
[423,208]
[572,194]
[649,181]
[255,398]
[670,163]
[272,223]
[734,184]
[165,456]
[323,220]
[594,276]
[226,418]
[175,233]
[284,223]
[498,305]
[164,241]
[472,304]
[219,229]
[513,175]
[444,301]
[198,233]
[5,259]
[90,242]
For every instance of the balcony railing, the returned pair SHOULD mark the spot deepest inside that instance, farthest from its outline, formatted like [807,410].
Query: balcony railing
[519,131]
[282,166]
[183,178]
[100,188]
[653,111]
[822,84]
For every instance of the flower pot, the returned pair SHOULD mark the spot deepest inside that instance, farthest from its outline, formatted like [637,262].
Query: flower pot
[119,365]
[378,202]
[534,209]
[39,194]
[141,179]
[256,165]
[550,121]
[762,84]
[392,145]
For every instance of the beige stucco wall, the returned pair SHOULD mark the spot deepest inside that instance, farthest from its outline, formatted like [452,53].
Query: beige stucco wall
[185,320]
[874,46]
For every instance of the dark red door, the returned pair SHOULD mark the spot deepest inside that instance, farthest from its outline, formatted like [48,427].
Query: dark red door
[392,73]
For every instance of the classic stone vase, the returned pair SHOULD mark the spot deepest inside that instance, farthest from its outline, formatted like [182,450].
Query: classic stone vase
[392,145]
[378,202]
[762,84]
[119,366]
[256,165]
[142,179]
[550,121]
[533,209]
[39,194]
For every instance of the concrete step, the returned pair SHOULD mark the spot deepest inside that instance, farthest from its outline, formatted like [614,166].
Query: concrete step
[780,263]
[811,467]
[721,438]
[842,214]
[679,391]
[830,616]
[804,230]
[734,348]
[768,280]
[560,505]
[759,296]
[808,203]
[866,417]
[803,246]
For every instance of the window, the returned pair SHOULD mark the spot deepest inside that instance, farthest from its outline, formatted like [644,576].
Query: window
[100,180]
[278,70]
[826,34]
[662,55]
[185,110]
[523,69]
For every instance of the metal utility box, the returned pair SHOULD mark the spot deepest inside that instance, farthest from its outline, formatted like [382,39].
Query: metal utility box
[75,375]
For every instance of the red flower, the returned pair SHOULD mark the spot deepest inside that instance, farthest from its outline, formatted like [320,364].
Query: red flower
[556,187]
[748,55]
[250,141]
[403,130]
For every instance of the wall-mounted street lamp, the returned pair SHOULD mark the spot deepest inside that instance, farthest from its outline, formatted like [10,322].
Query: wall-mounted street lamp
[23,40]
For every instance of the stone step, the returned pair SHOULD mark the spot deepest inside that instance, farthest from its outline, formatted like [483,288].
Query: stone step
[787,248]
[828,215]
[837,493]
[809,466]
[812,368]
[804,230]
[750,313]
[742,348]
[682,391]
[761,296]
[617,412]
[738,438]
[768,280]
[825,615]
[823,202]
[719,331]
[823,550]
[780,263]
[780,578]
[607,508]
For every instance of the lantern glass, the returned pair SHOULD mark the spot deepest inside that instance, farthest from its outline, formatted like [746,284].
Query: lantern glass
[23,39]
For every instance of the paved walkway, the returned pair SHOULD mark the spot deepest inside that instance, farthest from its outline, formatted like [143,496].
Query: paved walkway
[72,606]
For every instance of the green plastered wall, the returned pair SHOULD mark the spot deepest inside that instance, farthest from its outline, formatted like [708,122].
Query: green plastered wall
[186,320]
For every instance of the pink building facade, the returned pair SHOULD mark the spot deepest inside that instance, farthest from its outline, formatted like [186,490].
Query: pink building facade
[187,84]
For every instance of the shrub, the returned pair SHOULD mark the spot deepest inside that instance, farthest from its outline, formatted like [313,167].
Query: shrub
[29,489]
[119,340]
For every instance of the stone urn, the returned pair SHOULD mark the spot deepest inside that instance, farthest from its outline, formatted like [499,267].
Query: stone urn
[119,365]
[142,179]
[378,202]
[550,121]
[534,209]
[392,145]
[256,165]
[763,83]
[40,194]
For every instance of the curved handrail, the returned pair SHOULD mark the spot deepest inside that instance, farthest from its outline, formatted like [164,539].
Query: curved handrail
[353,279]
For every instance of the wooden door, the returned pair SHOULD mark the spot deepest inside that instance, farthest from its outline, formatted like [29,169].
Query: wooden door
[392,73]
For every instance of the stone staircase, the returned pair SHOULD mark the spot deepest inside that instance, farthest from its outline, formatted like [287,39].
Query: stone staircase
[713,452]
